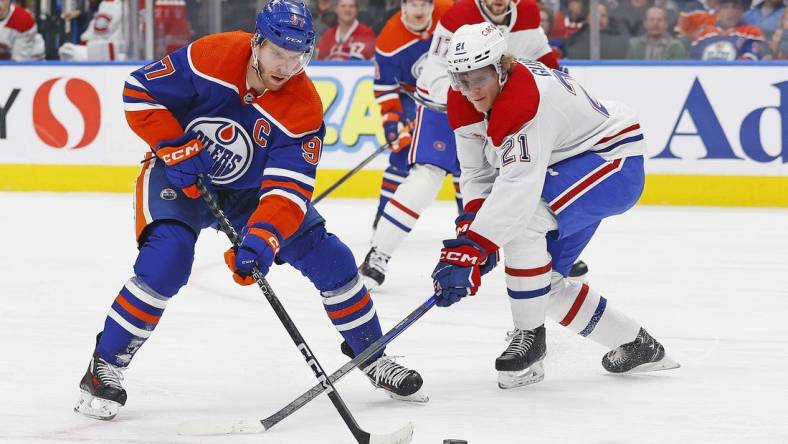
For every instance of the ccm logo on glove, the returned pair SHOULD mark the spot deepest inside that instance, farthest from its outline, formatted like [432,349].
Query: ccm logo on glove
[459,257]
[174,155]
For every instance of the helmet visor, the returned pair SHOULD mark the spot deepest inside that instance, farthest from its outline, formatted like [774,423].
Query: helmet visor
[474,79]
[281,61]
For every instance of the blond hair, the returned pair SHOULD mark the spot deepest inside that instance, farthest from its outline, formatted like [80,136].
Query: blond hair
[507,62]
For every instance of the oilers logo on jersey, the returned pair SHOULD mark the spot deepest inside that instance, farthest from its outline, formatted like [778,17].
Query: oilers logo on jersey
[229,145]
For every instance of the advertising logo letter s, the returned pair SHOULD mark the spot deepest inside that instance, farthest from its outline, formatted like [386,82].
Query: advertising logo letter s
[83,97]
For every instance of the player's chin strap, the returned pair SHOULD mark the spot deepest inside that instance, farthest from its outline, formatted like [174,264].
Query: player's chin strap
[255,62]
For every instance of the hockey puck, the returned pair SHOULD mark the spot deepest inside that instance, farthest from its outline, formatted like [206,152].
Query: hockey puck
[454,441]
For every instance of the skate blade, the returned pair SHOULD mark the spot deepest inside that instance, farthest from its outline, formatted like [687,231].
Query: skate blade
[666,363]
[370,283]
[531,375]
[97,408]
[419,396]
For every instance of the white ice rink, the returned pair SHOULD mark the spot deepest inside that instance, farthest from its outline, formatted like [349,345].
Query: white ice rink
[711,284]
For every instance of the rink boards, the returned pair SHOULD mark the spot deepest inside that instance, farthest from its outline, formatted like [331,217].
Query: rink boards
[717,133]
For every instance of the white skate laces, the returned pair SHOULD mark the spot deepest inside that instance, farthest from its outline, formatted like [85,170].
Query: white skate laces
[521,341]
[108,374]
[616,357]
[386,371]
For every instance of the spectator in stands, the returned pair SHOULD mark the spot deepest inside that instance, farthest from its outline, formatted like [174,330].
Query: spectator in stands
[656,43]
[103,39]
[671,7]
[380,12]
[19,37]
[694,19]
[779,41]
[612,43]
[323,16]
[566,23]
[730,38]
[629,15]
[766,16]
[77,18]
[350,39]
[557,44]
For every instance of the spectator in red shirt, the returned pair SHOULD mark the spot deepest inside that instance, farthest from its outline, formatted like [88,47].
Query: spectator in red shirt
[19,37]
[350,39]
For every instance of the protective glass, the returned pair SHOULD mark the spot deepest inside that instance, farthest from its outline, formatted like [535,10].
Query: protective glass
[475,79]
[281,61]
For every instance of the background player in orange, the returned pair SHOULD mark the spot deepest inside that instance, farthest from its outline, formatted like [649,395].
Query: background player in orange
[399,58]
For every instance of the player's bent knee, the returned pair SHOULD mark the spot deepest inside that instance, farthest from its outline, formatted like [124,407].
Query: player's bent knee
[322,257]
[427,176]
[565,295]
[166,255]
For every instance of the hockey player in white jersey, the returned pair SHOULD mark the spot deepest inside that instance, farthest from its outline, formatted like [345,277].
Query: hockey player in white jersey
[543,162]
[432,153]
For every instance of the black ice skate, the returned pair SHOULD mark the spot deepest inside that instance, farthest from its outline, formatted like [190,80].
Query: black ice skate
[102,393]
[399,382]
[644,354]
[521,363]
[373,270]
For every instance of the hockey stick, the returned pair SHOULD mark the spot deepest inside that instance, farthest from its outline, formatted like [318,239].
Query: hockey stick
[373,348]
[401,436]
[421,100]
[347,175]
[243,426]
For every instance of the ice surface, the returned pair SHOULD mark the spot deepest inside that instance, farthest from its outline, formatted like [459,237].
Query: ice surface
[709,283]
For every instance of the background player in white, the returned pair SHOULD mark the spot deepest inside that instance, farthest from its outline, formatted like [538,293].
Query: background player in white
[544,162]
[433,153]
[400,51]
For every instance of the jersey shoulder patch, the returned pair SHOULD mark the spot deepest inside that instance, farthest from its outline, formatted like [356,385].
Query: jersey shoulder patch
[21,20]
[516,105]
[460,111]
[222,57]
[527,16]
[296,108]
[464,12]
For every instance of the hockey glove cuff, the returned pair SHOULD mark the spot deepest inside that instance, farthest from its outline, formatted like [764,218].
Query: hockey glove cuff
[397,133]
[185,158]
[259,246]
[462,226]
[458,274]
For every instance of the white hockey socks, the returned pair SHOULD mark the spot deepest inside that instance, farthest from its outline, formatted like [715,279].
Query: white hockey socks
[584,311]
[528,271]
[404,208]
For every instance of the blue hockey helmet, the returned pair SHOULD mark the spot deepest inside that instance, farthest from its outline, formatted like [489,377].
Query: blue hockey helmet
[287,24]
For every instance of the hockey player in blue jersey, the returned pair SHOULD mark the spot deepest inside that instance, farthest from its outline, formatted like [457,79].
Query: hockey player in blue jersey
[238,109]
